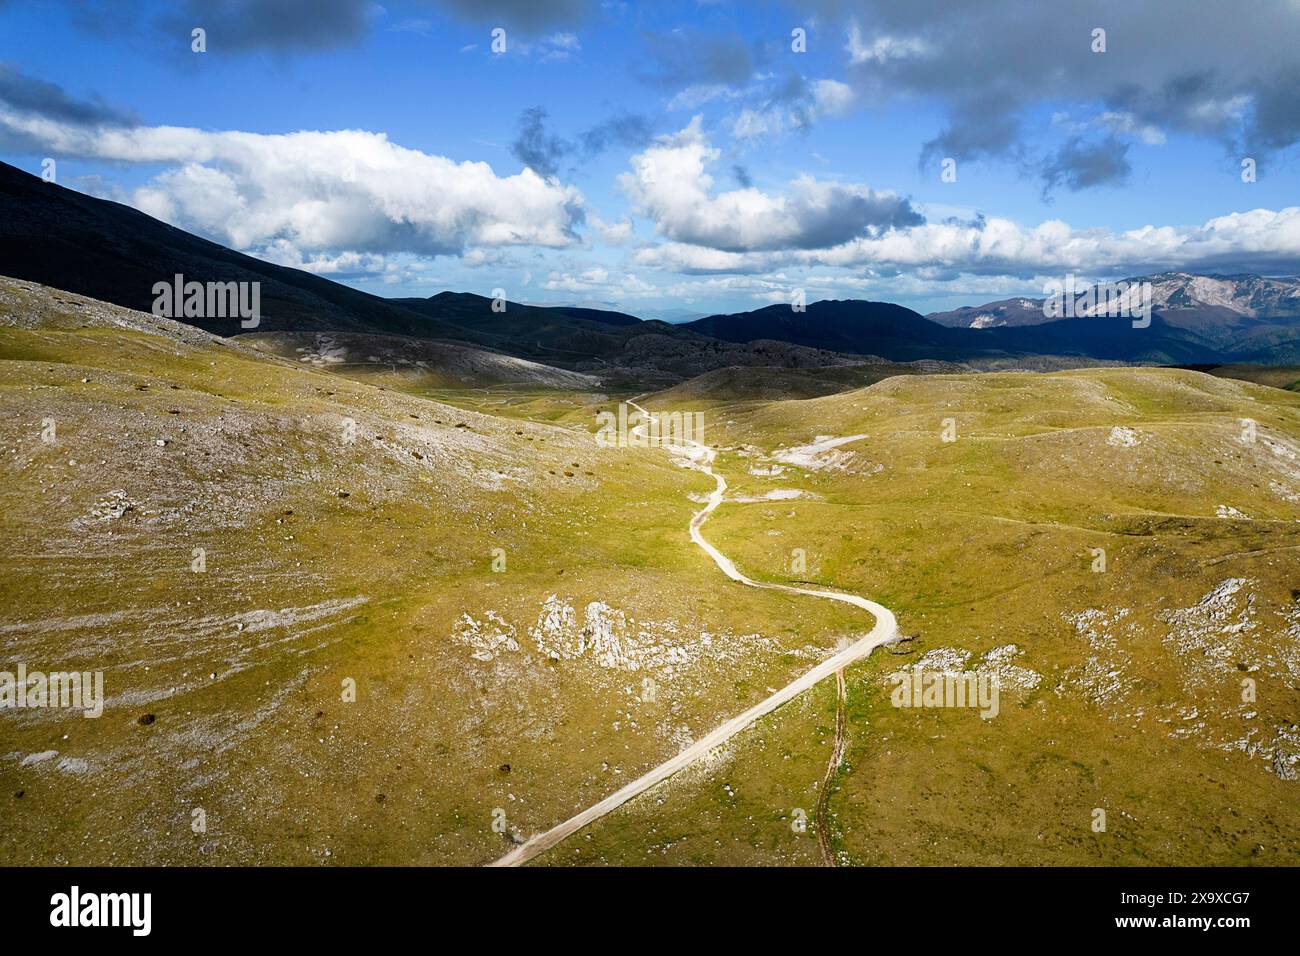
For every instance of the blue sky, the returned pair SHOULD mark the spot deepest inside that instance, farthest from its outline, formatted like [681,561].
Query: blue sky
[678,158]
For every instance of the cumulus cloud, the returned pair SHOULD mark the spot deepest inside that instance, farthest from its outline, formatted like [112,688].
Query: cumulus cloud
[669,184]
[1204,68]
[23,94]
[1260,240]
[312,194]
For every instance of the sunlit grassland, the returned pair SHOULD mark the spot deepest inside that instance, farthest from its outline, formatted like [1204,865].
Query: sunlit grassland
[393,533]
[987,541]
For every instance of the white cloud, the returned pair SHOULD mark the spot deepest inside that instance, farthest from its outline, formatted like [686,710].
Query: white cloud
[601,282]
[833,98]
[794,114]
[699,94]
[753,123]
[614,233]
[547,49]
[1113,121]
[356,263]
[1200,68]
[683,257]
[1127,123]
[1258,240]
[322,193]
[669,184]
[882,47]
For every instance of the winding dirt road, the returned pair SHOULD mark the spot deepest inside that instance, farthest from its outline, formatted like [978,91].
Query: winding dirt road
[885,630]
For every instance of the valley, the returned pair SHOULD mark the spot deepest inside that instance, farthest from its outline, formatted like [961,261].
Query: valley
[641,442]
[433,618]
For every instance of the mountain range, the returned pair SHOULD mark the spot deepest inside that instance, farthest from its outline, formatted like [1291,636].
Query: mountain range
[109,251]
[1248,315]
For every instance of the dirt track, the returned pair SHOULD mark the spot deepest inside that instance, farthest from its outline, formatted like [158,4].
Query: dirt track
[885,630]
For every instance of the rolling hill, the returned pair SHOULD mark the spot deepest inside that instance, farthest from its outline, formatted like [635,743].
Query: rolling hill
[102,249]
[234,539]
[349,536]
[59,237]
[901,335]
[110,252]
[107,251]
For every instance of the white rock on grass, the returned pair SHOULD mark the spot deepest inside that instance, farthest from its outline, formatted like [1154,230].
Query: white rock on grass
[819,454]
[996,664]
[1123,437]
[1207,637]
[486,638]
